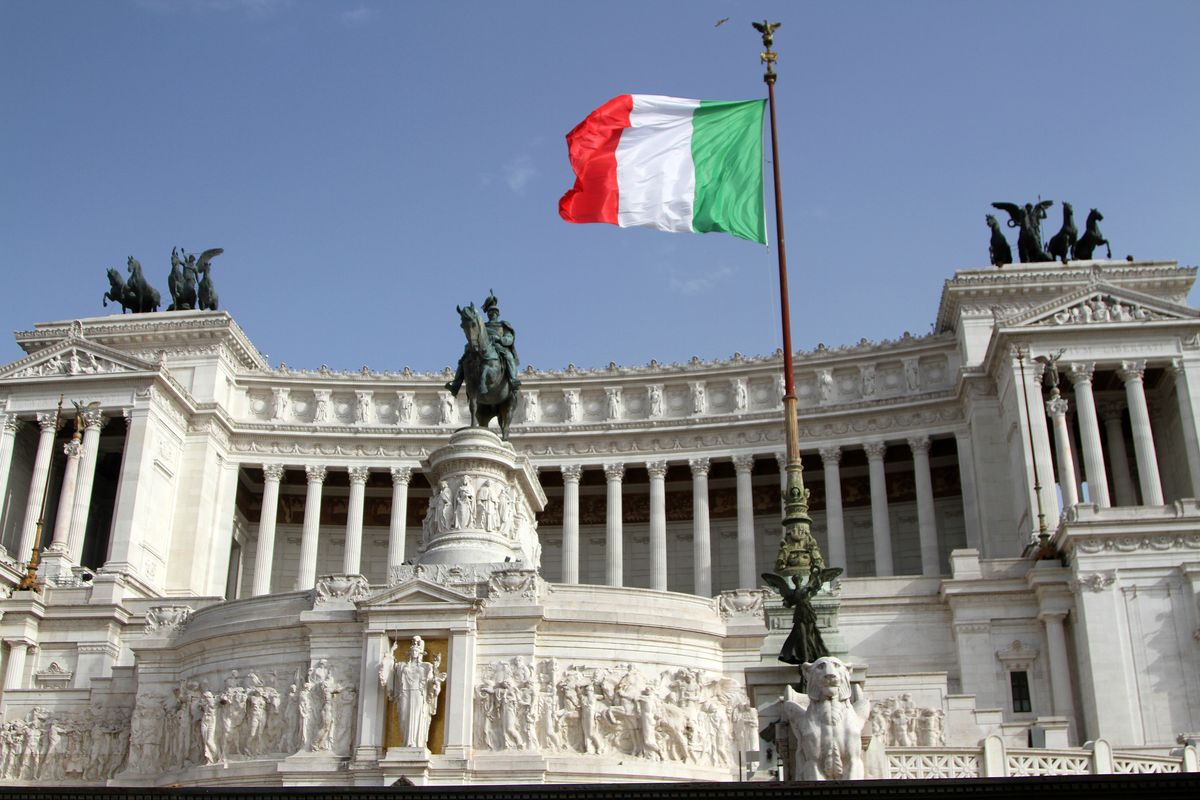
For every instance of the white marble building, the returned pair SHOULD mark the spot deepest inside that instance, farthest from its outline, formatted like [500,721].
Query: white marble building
[230,550]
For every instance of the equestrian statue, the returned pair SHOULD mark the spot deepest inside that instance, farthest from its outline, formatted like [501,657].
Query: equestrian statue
[488,366]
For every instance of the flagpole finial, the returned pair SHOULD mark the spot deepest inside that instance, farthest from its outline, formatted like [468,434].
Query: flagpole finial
[767,29]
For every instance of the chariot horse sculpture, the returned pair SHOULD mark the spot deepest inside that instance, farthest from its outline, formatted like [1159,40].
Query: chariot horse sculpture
[490,393]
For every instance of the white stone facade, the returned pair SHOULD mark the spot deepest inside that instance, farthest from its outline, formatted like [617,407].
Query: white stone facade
[229,550]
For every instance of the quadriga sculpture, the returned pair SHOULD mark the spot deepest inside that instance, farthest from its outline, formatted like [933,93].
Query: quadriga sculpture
[827,723]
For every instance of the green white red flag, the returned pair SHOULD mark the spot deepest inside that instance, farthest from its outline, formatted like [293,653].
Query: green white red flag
[671,164]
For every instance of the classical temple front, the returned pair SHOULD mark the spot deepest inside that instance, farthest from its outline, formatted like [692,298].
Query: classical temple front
[235,556]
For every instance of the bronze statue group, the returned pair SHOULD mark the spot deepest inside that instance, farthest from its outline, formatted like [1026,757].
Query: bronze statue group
[1066,245]
[189,282]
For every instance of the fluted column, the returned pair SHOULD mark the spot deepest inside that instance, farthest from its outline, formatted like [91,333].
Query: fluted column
[1187,419]
[352,559]
[306,574]
[14,670]
[658,524]
[37,485]
[613,542]
[926,518]
[93,421]
[701,539]
[881,526]
[1089,430]
[835,525]
[66,495]
[398,529]
[1112,412]
[264,555]
[1131,373]
[8,437]
[743,466]
[1037,436]
[1060,668]
[571,474]
[1056,409]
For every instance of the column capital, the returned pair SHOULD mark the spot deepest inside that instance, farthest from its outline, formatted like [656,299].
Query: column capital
[1052,615]
[47,422]
[273,473]
[315,472]
[11,423]
[699,466]
[73,449]
[1057,406]
[657,469]
[615,471]
[831,454]
[359,474]
[875,450]
[1131,371]
[1081,372]
[743,463]
[1110,409]
[93,419]
[781,459]
[571,473]
[401,476]
[1175,366]
[918,444]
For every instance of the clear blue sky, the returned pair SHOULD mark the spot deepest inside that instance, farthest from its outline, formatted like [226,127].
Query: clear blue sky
[367,165]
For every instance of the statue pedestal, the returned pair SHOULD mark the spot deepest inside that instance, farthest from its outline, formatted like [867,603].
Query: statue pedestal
[827,604]
[484,504]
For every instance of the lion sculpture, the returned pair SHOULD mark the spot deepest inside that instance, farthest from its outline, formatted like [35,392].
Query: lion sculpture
[827,722]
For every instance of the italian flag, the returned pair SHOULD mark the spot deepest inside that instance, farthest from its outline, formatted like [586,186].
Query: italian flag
[669,163]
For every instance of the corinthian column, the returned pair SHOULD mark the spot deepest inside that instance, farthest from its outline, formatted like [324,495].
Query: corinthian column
[352,559]
[37,486]
[926,518]
[701,541]
[265,554]
[398,530]
[747,568]
[614,544]
[1056,409]
[658,524]
[835,526]
[1143,437]
[8,437]
[66,494]
[571,474]
[93,421]
[306,575]
[881,526]
[1089,430]
[1112,412]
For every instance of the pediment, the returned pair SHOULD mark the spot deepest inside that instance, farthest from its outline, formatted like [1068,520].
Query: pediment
[419,592]
[73,356]
[1100,303]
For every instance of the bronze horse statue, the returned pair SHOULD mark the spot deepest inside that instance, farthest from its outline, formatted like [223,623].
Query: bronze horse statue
[1091,239]
[181,282]
[139,296]
[489,394]
[116,291]
[1062,244]
[998,250]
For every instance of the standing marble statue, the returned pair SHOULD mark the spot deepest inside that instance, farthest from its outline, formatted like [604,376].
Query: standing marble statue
[413,686]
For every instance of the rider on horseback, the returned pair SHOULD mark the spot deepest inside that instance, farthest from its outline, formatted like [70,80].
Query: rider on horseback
[503,338]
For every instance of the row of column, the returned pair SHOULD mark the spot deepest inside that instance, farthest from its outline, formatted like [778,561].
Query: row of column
[75,495]
[746,550]
[1145,455]
[306,576]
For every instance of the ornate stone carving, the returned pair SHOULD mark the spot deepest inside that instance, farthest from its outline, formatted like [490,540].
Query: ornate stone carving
[315,473]
[680,715]
[363,406]
[614,471]
[1081,373]
[273,472]
[359,474]
[1101,308]
[529,409]
[699,397]
[875,450]
[447,408]
[321,399]
[343,588]
[830,455]
[280,405]
[741,605]
[867,378]
[898,722]
[401,476]
[613,406]
[1017,656]
[699,466]
[654,400]
[1093,582]
[70,361]
[164,620]
[571,400]
[514,584]
[571,472]
[741,395]
[919,444]
[413,686]
[743,463]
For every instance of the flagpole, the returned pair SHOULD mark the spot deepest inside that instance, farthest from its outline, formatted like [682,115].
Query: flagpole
[798,551]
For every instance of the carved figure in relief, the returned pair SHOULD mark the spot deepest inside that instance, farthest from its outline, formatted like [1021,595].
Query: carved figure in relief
[912,374]
[488,504]
[613,401]
[825,385]
[699,400]
[404,410]
[447,405]
[868,380]
[304,709]
[655,401]
[208,728]
[464,504]
[531,407]
[741,398]
[508,508]
[362,408]
[329,691]
[572,398]
[827,722]
[321,412]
